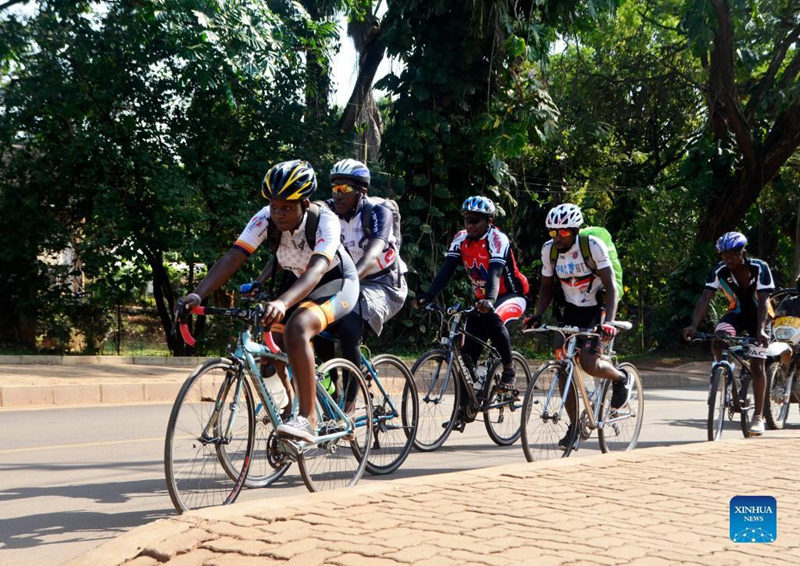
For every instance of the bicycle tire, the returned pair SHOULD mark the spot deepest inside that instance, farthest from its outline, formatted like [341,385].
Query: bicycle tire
[438,400]
[269,463]
[776,409]
[744,401]
[716,402]
[394,414]
[503,415]
[622,435]
[193,465]
[341,462]
[541,435]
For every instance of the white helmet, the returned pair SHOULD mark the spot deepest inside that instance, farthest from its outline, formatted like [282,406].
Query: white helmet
[564,216]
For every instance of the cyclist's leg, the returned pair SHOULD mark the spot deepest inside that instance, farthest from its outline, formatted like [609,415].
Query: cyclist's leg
[471,351]
[507,308]
[330,301]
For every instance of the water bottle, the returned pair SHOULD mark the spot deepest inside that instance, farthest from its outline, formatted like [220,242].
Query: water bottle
[479,377]
[327,383]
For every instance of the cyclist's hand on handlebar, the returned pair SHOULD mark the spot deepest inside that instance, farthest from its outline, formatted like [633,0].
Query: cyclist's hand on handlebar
[421,300]
[484,305]
[688,333]
[533,321]
[274,311]
[607,330]
[250,289]
[184,304]
[762,339]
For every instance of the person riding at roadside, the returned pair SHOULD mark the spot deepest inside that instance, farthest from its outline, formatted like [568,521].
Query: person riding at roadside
[375,251]
[590,299]
[320,287]
[498,286]
[747,283]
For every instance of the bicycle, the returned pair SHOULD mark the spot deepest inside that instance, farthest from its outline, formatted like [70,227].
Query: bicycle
[394,415]
[783,387]
[725,380]
[448,397]
[212,432]
[545,407]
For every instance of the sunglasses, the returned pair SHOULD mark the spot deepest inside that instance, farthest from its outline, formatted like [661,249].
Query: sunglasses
[342,189]
[472,219]
[564,233]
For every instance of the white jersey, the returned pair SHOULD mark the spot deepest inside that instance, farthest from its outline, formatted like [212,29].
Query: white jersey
[293,252]
[355,240]
[579,283]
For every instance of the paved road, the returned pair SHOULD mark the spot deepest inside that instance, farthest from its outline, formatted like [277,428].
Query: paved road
[74,478]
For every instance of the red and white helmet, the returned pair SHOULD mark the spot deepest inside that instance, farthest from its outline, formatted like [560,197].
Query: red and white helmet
[564,216]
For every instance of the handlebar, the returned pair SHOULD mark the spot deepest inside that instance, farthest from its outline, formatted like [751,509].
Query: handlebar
[251,314]
[728,339]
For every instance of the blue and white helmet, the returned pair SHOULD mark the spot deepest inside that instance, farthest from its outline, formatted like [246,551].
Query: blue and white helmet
[352,172]
[731,241]
[478,204]
[564,216]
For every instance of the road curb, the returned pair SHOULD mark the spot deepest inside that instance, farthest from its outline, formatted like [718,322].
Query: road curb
[169,361]
[115,391]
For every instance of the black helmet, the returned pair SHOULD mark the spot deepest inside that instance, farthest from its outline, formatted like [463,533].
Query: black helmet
[289,180]
[351,171]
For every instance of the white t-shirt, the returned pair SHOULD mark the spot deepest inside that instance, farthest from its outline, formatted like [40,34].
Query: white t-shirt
[293,251]
[579,283]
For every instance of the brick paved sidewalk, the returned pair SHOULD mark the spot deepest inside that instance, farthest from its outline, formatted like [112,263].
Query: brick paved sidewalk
[666,505]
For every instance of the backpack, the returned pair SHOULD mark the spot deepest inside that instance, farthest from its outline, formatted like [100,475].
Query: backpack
[583,243]
[366,213]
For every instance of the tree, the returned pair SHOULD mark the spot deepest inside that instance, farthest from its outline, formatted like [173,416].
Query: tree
[140,132]
[749,52]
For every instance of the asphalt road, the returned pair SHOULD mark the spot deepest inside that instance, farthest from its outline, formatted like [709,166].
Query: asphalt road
[71,479]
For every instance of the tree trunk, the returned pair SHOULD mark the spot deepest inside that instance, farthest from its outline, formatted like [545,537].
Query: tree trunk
[165,302]
[371,48]
[796,264]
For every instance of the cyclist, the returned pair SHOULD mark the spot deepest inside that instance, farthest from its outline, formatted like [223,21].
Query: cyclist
[498,286]
[375,251]
[747,283]
[590,298]
[320,287]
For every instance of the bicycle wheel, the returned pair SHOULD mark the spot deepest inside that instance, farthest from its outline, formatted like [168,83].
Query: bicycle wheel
[545,424]
[503,414]
[339,463]
[439,397]
[394,414]
[203,463]
[269,462]
[716,402]
[621,427]
[744,402]
[776,400]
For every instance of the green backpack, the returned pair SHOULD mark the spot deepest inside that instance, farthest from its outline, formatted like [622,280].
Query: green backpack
[583,243]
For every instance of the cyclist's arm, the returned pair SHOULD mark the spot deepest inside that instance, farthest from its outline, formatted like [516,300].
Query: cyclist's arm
[493,280]
[761,314]
[221,271]
[701,307]
[299,290]
[545,294]
[374,248]
[444,275]
[606,275]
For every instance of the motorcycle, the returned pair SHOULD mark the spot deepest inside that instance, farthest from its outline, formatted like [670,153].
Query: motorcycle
[783,381]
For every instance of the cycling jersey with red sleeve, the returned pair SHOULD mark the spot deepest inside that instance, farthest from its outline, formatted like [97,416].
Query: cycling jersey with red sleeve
[476,255]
